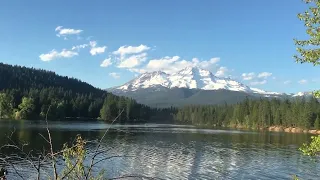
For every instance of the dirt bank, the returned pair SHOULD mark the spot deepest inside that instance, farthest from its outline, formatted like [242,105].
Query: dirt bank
[292,130]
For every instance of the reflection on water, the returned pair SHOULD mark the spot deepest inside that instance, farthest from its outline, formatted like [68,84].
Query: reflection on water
[181,152]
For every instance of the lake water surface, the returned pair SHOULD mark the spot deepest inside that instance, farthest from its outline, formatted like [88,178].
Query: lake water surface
[176,152]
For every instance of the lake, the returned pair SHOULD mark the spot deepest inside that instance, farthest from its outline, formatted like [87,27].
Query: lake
[175,151]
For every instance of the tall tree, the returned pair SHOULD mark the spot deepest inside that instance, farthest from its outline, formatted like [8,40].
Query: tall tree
[5,105]
[309,51]
[317,123]
[26,108]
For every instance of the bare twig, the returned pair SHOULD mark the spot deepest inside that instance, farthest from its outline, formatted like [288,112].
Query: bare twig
[70,170]
[39,165]
[14,168]
[27,158]
[132,176]
[98,146]
[51,147]
[44,138]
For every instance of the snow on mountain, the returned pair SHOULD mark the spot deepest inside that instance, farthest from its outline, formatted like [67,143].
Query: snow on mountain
[300,94]
[191,78]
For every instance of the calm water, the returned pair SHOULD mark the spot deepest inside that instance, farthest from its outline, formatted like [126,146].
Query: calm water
[176,152]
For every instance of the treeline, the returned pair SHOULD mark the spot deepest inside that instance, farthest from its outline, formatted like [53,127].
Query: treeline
[261,113]
[35,104]
[27,93]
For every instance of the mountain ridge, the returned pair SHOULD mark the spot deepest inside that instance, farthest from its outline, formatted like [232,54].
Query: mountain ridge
[191,85]
[191,77]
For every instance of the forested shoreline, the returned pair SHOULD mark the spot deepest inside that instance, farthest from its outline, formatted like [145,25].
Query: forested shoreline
[28,93]
[255,114]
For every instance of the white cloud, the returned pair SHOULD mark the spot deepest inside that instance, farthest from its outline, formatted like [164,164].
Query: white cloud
[67,31]
[258,82]
[166,64]
[208,65]
[248,76]
[303,81]
[125,50]
[105,63]
[287,82]
[131,57]
[55,55]
[132,61]
[96,50]
[137,70]
[78,47]
[222,72]
[114,75]
[175,63]
[264,75]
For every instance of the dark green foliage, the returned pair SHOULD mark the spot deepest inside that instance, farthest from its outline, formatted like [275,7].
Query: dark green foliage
[27,93]
[179,97]
[254,114]
[317,123]
[5,105]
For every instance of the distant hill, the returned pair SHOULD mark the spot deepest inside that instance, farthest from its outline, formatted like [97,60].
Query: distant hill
[19,77]
[27,93]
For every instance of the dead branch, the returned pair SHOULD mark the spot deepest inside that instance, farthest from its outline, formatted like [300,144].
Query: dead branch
[133,176]
[51,147]
[14,168]
[66,175]
[98,146]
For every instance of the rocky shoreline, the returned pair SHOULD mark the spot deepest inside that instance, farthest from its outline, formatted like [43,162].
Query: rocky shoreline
[292,130]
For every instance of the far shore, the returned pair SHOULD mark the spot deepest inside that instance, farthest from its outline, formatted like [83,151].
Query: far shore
[285,129]
[293,130]
[271,129]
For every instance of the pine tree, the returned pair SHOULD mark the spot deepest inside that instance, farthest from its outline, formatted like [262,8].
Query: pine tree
[317,123]
[5,105]
[26,108]
[306,116]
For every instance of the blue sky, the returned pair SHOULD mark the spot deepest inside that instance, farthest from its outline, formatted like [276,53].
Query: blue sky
[249,40]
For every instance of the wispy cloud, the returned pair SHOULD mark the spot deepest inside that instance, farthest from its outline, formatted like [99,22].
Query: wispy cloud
[256,79]
[105,63]
[248,76]
[78,47]
[132,61]
[114,75]
[254,83]
[130,57]
[67,31]
[125,50]
[172,64]
[264,75]
[55,55]
[287,82]
[222,72]
[96,50]
[303,81]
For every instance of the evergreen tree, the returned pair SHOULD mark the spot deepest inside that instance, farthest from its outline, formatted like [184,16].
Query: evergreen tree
[6,107]
[317,123]
[66,97]
[26,108]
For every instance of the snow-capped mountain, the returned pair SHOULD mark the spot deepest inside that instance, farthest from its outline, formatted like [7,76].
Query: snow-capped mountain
[300,94]
[190,78]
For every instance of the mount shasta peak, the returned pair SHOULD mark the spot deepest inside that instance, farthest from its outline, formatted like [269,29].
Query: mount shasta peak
[191,85]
